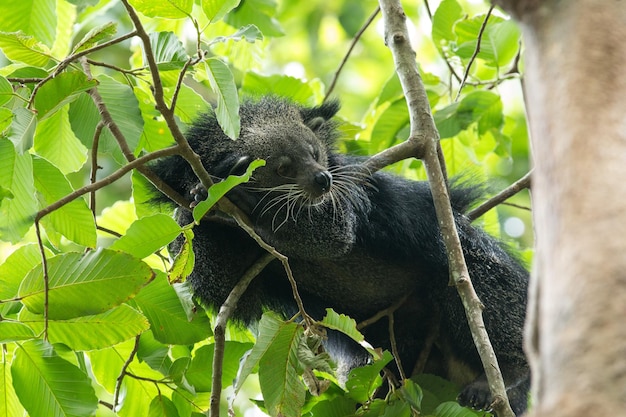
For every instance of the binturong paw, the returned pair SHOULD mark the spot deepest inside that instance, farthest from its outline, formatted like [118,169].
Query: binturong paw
[476,395]
[198,193]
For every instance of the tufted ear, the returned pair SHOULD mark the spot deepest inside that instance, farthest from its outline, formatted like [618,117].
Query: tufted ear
[324,111]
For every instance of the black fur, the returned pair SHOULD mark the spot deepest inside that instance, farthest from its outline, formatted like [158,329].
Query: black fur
[356,242]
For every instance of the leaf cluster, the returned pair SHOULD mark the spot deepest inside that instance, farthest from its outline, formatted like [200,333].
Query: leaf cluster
[89,322]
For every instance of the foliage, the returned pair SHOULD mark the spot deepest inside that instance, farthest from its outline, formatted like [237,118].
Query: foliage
[89,324]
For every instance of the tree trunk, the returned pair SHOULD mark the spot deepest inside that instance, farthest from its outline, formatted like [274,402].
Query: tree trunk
[575,86]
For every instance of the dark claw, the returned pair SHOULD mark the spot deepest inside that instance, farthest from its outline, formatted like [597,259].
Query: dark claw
[198,193]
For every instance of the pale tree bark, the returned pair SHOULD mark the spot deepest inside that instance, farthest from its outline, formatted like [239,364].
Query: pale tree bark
[575,85]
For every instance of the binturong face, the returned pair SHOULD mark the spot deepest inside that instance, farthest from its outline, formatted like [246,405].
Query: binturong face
[296,162]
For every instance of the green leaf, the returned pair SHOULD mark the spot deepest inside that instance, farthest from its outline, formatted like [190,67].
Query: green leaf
[161,406]
[168,51]
[256,12]
[389,124]
[483,107]
[124,108]
[444,19]
[217,9]
[84,117]
[147,235]
[16,175]
[91,332]
[363,381]
[223,85]
[170,9]
[189,105]
[62,89]
[56,142]
[9,403]
[279,374]
[74,220]
[15,268]
[95,36]
[34,17]
[11,331]
[19,47]
[6,90]
[156,135]
[40,379]
[281,85]
[23,129]
[347,326]
[453,409]
[184,260]
[107,277]
[168,319]
[220,189]
[447,122]
[250,33]
[200,371]
[269,326]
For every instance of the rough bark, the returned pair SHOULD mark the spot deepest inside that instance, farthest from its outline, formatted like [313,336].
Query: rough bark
[575,84]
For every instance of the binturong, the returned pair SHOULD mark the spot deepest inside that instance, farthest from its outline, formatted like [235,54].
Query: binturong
[356,242]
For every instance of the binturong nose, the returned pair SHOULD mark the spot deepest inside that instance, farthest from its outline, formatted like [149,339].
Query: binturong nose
[324,180]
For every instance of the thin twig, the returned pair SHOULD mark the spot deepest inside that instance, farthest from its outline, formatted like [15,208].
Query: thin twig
[499,198]
[120,378]
[476,51]
[94,164]
[219,330]
[106,181]
[46,279]
[394,346]
[357,36]
[382,313]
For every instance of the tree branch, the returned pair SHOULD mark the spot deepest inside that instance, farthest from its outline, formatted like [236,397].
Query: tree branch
[219,330]
[424,138]
[502,196]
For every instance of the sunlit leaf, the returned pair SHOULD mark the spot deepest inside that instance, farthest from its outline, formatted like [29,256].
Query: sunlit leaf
[161,406]
[282,389]
[59,91]
[23,128]
[6,91]
[95,36]
[171,9]
[90,332]
[200,371]
[40,379]
[11,331]
[74,220]
[19,47]
[37,18]
[56,142]
[9,403]
[256,12]
[216,9]
[108,277]
[168,51]
[444,19]
[249,32]
[168,319]
[224,87]
[124,108]
[147,235]
[220,189]
[363,381]
[16,174]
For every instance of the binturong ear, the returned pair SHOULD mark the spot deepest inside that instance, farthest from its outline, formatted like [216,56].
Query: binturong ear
[324,111]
